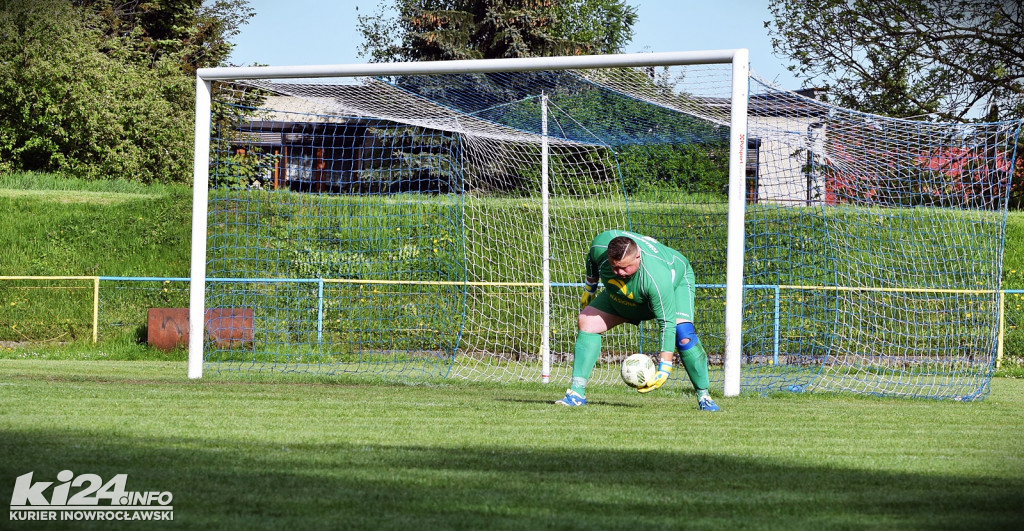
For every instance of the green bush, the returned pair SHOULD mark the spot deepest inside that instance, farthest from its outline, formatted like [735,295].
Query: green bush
[74,102]
[693,168]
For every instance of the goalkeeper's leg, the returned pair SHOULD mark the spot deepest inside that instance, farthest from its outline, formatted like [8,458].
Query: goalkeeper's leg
[592,323]
[695,362]
[586,351]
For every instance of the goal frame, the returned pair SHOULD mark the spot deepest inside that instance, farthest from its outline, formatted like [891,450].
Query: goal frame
[738,58]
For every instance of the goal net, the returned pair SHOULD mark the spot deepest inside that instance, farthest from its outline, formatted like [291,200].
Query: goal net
[874,249]
[412,224]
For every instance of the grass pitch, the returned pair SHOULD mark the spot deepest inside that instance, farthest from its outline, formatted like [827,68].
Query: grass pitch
[307,452]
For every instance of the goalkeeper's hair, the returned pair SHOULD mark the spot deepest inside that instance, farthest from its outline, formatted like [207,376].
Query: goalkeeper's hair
[621,247]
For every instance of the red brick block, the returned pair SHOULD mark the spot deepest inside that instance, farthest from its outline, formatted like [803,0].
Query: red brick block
[228,327]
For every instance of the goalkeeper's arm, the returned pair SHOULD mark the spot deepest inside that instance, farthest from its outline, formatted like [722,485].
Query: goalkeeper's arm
[660,377]
[589,292]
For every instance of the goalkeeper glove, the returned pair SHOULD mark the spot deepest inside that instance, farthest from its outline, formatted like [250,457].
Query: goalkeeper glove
[660,377]
[589,292]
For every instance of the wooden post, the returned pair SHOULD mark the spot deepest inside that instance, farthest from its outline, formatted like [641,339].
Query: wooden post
[284,164]
[277,166]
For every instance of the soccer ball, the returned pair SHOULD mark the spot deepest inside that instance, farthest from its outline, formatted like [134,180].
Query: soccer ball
[637,370]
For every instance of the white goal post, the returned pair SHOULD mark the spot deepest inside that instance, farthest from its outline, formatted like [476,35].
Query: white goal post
[738,141]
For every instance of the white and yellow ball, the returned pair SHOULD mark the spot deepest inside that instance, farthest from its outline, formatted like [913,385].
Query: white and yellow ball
[638,369]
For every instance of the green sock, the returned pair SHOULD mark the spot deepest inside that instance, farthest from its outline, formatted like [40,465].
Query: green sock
[695,361]
[585,354]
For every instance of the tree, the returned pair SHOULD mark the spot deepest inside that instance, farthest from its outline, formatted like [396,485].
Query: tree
[98,90]
[594,26]
[952,60]
[196,33]
[431,30]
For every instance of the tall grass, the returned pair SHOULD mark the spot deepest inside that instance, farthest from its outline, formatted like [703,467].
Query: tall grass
[59,226]
[58,182]
[56,226]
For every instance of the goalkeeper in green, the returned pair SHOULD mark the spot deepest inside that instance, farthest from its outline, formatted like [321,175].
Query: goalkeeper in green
[644,280]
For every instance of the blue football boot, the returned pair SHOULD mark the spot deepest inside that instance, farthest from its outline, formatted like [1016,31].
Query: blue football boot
[706,404]
[572,398]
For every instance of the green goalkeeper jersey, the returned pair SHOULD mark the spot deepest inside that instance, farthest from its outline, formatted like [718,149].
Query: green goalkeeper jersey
[662,288]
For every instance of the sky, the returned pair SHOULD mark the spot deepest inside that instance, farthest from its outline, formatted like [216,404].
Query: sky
[310,32]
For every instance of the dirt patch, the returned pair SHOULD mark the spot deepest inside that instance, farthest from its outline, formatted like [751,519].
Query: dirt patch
[67,197]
